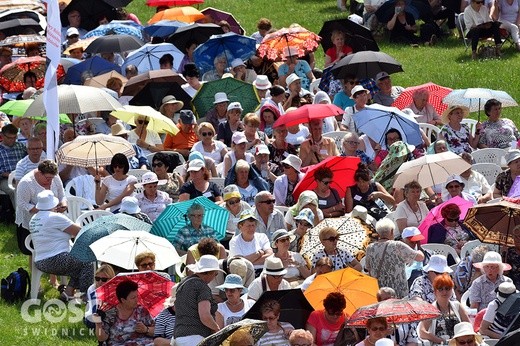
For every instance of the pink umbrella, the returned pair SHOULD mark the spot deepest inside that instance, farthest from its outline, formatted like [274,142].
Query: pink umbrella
[434,216]
[305,114]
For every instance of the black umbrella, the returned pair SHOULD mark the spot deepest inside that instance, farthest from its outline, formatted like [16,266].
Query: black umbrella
[200,33]
[91,10]
[511,306]
[295,309]
[512,338]
[149,88]
[365,65]
[18,26]
[114,43]
[357,36]
[420,9]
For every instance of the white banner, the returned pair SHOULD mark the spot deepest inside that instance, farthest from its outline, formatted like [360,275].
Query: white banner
[50,91]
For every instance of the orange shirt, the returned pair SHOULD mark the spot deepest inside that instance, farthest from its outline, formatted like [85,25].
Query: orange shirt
[181,140]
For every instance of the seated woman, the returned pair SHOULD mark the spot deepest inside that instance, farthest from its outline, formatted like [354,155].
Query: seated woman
[195,230]
[480,25]
[220,63]
[339,50]
[173,181]
[329,238]
[199,184]
[208,145]
[307,199]
[504,180]
[329,201]
[165,321]
[360,95]
[295,264]
[238,152]
[205,246]
[466,335]
[350,145]
[497,132]
[104,273]
[111,190]
[130,207]
[325,324]
[506,13]
[232,125]
[441,329]
[247,187]
[377,329]
[294,65]
[51,235]
[284,185]
[402,25]
[148,140]
[393,136]
[235,205]
[254,136]
[279,148]
[366,192]
[151,201]
[269,113]
[456,134]
[127,321]
[412,211]
[236,305]
[277,332]
[450,231]
[323,265]
[304,221]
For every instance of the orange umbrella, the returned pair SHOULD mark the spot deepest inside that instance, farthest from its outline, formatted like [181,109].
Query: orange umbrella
[185,14]
[303,40]
[359,289]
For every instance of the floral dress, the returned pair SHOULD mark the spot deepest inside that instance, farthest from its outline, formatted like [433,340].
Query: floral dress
[122,332]
[457,140]
[498,134]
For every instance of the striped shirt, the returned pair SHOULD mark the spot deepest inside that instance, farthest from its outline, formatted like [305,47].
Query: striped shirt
[165,323]
[278,338]
[25,165]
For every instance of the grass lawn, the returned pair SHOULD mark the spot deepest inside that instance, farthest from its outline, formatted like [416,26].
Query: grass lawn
[446,64]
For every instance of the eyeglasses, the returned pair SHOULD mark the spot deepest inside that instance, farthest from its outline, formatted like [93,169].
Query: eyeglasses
[332,239]
[326,182]
[352,142]
[196,215]
[283,240]
[157,164]
[233,202]
[206,134]
[148,264]
[381,329]
[141,122]
[335,313]
[465,342]
[441,289]
[453,186]
[452,220]
[98,278]
[269,201]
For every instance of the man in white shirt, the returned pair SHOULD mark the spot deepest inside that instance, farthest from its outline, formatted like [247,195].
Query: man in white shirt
[30,162]
[271,279]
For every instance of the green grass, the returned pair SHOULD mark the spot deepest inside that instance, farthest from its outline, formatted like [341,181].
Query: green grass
[446,64]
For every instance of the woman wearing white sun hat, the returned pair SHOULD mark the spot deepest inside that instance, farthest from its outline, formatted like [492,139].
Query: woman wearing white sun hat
[152,201]
[236,305]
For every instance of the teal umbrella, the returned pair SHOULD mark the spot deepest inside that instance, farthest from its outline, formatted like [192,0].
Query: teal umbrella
[175,217]
[100,228]
[236,91]
[17,108]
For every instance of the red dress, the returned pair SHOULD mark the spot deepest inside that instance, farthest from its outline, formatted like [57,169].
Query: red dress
[331,52]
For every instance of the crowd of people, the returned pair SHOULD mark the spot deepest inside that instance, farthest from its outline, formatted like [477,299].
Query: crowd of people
[261,162]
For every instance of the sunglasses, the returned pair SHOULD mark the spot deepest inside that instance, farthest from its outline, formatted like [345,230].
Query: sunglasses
[332,239]
[452,220]
[148,264]
[269,201]
[233,202]
[326,182]
[284,165]
[206,134]
[101,279]
[140,122]
[158,164]
[381,329]
[466,342]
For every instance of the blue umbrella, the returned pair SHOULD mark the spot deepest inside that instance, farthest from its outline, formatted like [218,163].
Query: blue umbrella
[233,46]
[164,28]
[175,217]
[115,29]
[95,65]
[375,120]
[147,57]
[100,228]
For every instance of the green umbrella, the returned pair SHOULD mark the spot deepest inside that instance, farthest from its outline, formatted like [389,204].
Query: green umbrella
[17,108]
[236,91]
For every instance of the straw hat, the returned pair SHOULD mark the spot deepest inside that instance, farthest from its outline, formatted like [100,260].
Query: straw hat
[444,117]
[169,99]
[118,129]
[274,266]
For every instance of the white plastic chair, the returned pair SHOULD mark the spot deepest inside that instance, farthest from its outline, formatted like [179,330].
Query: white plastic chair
[472,124]
[337,136]
[489,170]
[282,208]
[464,300]
[219,182]
[442,249]
[470,245]
[138,173]
[489,155]
[76,206]
[89,194]
[432,132]
[10,183]
[89,216]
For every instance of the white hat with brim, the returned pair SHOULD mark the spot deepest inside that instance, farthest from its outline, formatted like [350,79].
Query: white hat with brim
[118,130]
[492,257]
[438,264]
[361,212]
[512,155]
[262,82]
[293,161]
[293,77]
[274,266]
[150,178]
[46,200]
[446,113]
[206,263]
[281,233]
[170,99]
[130,205]
[220,97]
[464,329]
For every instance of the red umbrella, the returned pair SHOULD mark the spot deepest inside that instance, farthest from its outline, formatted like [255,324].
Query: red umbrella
[343,169]
[153,289]
[437,93]
[159,3]
[306,113]
[434,216]
[395,311]
[11,75]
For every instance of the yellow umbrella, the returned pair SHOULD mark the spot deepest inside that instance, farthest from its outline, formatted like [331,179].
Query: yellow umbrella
[359,289]
[158,122]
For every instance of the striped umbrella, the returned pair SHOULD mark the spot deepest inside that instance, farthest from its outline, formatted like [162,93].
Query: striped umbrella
[175,217]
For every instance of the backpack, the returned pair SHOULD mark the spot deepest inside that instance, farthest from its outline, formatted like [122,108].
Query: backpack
[17,286]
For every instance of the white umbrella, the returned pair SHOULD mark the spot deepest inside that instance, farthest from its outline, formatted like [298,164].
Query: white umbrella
[430,169]
[476,98]
[93,150]
[158,122]
[121,247]
[76,99]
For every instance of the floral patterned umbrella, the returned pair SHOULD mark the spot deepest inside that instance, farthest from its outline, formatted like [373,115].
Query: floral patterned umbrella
[396,311]
[437,93]
[11,75]
[256,328]
[273,44]
[351,235]
[153,289]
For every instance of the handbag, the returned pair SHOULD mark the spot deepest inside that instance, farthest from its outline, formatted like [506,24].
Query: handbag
[346,336]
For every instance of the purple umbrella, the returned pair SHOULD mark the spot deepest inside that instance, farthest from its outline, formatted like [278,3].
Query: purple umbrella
[217,15]
[515,189]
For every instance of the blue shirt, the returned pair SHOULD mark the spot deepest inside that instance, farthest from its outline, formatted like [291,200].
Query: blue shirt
[342,100]
[9,156]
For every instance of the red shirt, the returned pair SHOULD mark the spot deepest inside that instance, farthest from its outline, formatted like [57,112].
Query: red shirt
[326,332]
[331,52]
